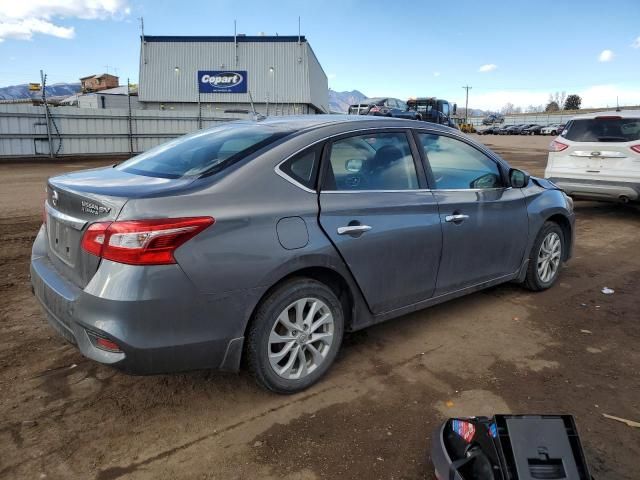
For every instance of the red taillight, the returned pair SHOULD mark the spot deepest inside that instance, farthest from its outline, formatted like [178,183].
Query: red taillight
[106,344]
[557,146]
[374,109]
[636,148]
[142,242]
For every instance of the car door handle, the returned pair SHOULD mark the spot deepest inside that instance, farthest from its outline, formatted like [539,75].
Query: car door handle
[456,218]
[351,229]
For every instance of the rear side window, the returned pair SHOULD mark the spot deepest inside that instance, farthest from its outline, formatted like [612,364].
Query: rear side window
[611,129]
[457,165]
[204,152]
[303,167]
[377,161]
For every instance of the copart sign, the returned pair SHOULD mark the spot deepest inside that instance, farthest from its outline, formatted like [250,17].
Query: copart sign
[216,81]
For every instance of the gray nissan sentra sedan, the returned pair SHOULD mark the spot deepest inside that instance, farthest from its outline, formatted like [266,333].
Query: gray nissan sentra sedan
[266,241]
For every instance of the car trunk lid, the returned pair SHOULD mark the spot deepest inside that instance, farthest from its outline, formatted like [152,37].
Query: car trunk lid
[76,200]
[596,159]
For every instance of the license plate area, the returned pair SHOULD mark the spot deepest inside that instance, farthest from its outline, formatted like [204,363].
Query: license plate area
[63,240]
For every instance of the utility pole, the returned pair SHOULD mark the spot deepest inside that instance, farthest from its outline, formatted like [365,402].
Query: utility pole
[43,79]
[466,104]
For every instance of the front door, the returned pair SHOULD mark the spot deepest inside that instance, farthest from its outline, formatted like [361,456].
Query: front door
[384,225]
[484,222]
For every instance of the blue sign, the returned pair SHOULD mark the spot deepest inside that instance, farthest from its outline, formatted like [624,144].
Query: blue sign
[222,81]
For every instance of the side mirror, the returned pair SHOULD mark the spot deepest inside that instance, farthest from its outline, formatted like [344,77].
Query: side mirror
[353,165]
[455,108]
[518,178]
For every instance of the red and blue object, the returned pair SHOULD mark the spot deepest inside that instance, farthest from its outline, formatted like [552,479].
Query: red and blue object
[463,428]
[509,447]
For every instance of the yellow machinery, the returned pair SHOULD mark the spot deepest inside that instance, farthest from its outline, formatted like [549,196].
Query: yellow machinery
[465,127]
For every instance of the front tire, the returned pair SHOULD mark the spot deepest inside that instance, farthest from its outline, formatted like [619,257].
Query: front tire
[545,258]
[295,335]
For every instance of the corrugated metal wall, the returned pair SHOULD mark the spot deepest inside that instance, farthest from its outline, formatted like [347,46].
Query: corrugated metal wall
[80,131]
[168,72]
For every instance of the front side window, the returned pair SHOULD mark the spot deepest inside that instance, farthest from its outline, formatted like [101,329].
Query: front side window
[457,165]
[377,161]
[611,129]
[204,152]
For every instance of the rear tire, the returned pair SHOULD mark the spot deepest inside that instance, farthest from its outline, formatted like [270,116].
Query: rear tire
[545,258]
[295,335]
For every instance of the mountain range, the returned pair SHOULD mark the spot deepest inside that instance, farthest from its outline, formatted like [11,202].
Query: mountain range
[340,101]
[17,92]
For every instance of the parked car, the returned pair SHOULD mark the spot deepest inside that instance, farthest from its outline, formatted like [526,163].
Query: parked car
[532,130]
[492,118]
[493,130]
[513,129]
[384,107]
[228,244]
[554,129]
[503,129]
[598,157]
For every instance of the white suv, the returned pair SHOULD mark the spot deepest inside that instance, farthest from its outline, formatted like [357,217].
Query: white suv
[597,157]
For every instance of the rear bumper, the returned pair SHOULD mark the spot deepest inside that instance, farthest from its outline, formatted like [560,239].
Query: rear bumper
[598,189]
[174,329]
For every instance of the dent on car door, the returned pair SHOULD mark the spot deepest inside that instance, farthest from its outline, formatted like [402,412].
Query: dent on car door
[384,225]
[484,221]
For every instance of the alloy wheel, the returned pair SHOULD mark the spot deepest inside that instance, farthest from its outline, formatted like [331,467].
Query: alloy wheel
[549,257]
[301,338]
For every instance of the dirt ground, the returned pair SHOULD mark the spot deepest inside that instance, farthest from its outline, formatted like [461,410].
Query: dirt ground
[571,349]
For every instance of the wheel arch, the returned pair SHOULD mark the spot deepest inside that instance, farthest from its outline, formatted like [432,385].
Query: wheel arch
[567,231]
[336,281]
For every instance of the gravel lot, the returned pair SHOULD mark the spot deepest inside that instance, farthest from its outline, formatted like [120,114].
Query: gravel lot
[567,350]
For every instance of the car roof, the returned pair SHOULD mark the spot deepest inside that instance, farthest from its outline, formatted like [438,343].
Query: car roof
[313,122]
[608,113]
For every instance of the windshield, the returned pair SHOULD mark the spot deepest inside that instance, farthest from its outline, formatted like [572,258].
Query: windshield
[611,129]
[204,152]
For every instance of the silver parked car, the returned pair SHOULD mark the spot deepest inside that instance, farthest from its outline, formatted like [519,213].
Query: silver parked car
[266,241]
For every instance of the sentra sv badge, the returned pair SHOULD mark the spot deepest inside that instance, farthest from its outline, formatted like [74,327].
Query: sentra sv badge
[222,81]
[93,208]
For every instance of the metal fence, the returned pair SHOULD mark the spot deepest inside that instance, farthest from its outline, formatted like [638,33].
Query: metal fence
[76,131]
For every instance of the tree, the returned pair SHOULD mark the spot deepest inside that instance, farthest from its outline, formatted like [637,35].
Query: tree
[507,108]
[534,109]
[558,98]
[573,102]
[552,106]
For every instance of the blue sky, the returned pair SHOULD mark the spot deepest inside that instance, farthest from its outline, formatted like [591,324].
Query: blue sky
[396,48]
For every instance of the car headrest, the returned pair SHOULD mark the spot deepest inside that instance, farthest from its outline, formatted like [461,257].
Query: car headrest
[385,157]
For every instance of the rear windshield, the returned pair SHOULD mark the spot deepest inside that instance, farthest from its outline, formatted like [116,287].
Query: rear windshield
[204,152]
[615,129]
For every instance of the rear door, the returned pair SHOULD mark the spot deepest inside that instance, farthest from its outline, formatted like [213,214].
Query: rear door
[484,222]
[377,212]
[599,149]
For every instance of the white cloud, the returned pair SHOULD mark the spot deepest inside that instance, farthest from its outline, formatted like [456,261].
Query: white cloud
[331,76]
[22,19]
[489,67]
[436,74]
[636,43]
[605,56]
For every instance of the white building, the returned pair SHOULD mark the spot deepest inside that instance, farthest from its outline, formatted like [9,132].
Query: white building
[280,74]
